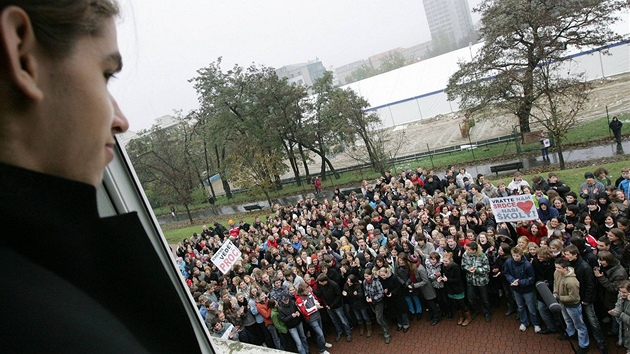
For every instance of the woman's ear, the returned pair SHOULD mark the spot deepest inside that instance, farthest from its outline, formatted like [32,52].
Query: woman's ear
[19,51]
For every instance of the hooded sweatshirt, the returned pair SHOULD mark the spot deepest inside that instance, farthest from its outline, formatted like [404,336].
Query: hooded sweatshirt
[550,212]
[567,288]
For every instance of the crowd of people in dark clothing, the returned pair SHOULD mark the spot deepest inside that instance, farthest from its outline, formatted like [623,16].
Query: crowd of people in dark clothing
[415,246]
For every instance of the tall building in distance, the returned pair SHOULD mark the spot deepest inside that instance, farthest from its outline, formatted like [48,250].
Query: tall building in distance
[450,23]
[303,73]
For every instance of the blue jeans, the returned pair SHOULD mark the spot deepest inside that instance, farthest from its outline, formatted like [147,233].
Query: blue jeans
[316,325]
[362,315]
[380,318]
[591,319]
[339,320]
[276,338]
[546,316]
[573,319]
[299,338]
[526,305]
[413,302]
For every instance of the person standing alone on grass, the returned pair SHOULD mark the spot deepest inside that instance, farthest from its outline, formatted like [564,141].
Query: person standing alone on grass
[615,125]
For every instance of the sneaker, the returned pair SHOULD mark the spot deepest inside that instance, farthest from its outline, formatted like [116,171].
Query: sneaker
[328,345]
[349,338]
[338,337]
[522,328]
[325,352]
[537,329]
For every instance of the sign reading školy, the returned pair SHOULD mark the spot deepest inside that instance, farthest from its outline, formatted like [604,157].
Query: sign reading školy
[514,208]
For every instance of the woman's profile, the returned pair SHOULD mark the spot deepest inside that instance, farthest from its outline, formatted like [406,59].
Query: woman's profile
[72,281]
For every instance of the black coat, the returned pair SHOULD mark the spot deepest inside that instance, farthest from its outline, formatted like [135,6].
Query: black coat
[286,313]
[395,302]
[330,294]
[455,283]
[90,274]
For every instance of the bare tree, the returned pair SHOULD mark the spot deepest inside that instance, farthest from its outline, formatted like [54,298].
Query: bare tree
[562,97]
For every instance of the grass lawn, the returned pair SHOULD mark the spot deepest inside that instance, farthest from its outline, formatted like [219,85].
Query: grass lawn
[174,236]
[572,177]
[587,131]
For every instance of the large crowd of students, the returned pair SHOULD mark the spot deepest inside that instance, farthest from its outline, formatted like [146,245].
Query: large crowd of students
[416,245]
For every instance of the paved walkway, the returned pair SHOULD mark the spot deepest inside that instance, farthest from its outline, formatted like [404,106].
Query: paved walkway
[499,336]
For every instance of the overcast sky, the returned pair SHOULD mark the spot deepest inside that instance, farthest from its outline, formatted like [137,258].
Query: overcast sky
[164,42]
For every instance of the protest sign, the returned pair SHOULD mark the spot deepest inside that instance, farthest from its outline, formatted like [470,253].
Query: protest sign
[226,256]
[514,208]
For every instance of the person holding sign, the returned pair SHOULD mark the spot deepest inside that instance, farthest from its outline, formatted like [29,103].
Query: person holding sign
[545,143]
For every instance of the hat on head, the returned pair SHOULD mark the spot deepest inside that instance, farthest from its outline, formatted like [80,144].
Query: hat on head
[369,227]
[412,258]
[285,297]
[471,206]
[230,221]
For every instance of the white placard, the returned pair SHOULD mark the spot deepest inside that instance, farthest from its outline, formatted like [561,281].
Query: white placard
[226,256]
[514,208]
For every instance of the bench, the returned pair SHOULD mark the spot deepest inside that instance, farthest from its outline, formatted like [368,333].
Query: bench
[507,167]
[348,191]
[252,207]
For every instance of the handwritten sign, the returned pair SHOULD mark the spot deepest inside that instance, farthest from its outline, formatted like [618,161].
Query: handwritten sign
[226,256]
[514,208]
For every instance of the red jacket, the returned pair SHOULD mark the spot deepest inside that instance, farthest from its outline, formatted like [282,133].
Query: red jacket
[542,232]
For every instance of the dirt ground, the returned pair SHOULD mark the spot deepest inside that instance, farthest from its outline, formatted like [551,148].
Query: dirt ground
[443,130]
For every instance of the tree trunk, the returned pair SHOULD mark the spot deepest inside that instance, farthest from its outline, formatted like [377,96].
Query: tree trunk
[523,117]
[268,197]
[205,153]
[322,156]
[304,161]
[294,164]
[332,169]
[224,182]
[560,155]
[189,215]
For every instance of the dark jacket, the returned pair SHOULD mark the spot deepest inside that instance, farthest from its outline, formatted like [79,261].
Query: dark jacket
[559,187]
[523,271]
[612,276]
[584,275]
[330,294]
[357,302]
[454,284]
[545,215]
[394,297]
[95,290]
[543,271]
[286,313]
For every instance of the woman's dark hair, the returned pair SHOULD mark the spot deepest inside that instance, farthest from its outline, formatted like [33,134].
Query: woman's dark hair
[58,24]
[507,249]
[608,257]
